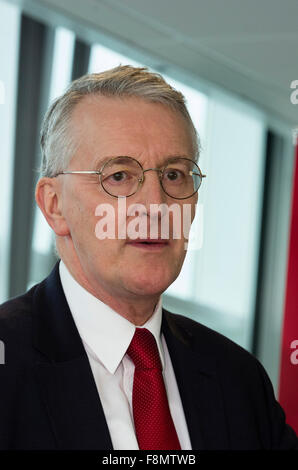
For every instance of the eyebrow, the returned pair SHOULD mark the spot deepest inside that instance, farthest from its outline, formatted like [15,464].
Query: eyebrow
[101,161]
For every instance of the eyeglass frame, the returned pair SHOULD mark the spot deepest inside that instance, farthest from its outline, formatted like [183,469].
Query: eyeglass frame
[140,181]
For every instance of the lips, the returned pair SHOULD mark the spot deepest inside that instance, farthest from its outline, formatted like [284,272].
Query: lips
[149,244]
[149,241]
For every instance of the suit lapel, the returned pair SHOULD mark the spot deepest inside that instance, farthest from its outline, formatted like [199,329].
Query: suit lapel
[198,385]
[73,405]
[64,377]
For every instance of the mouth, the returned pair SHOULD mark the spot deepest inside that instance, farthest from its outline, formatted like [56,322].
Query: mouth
[149,244]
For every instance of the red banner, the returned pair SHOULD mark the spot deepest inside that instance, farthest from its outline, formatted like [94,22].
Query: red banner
[288,385]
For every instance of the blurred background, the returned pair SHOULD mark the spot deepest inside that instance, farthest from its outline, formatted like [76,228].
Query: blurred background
[234,61]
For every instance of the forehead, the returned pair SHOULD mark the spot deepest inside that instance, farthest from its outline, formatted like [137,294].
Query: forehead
[108,127]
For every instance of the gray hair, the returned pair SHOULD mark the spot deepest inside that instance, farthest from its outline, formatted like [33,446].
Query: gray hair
[57,143]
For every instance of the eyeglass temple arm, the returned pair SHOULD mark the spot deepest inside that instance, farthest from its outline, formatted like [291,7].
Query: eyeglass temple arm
[90,172]
[197,174]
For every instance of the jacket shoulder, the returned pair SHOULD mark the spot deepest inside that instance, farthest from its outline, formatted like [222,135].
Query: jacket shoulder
[16,307]
[16,319]
[207,340]
[230,358]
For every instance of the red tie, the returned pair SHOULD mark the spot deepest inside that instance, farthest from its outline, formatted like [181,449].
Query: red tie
[154,426]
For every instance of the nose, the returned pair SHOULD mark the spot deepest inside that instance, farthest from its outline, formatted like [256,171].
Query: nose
[151,190]
[154,200]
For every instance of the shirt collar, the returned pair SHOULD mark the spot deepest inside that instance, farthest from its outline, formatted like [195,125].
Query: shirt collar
[103,330]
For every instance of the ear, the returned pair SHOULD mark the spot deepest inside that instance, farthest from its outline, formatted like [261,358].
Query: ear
[48,196]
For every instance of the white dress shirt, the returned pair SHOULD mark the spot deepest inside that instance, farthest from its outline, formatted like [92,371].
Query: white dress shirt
[106,336]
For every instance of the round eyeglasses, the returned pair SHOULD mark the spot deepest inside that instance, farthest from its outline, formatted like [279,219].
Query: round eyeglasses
[180,178]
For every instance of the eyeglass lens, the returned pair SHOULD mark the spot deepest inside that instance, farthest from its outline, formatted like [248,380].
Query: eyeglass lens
[122,176]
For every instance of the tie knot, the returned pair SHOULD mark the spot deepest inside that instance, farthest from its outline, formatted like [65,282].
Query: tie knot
[143,350]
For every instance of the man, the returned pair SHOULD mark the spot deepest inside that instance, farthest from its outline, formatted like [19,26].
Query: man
[92,361]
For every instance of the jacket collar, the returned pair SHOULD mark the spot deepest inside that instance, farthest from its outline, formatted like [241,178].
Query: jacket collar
[54,332]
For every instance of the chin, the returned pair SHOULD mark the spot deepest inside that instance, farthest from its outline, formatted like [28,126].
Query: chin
[152,284]
[148,291]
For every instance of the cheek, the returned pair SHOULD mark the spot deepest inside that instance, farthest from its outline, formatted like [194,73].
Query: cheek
[181,220]
[80,217]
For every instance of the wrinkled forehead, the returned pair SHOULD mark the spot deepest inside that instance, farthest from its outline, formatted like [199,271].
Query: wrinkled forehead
[130,126]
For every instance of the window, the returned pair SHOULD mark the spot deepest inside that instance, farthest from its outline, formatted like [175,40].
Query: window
[9,44]
[43,237]
[218,279]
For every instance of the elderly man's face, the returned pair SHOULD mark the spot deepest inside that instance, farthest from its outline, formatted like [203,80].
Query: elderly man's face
[151,133]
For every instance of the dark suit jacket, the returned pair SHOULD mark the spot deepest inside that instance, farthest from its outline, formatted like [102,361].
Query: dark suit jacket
[49,400]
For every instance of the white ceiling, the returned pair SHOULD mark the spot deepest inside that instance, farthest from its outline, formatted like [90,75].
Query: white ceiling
[247,47]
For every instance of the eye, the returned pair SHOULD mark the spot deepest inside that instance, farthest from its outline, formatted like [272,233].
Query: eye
[174,175]
[117,178]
